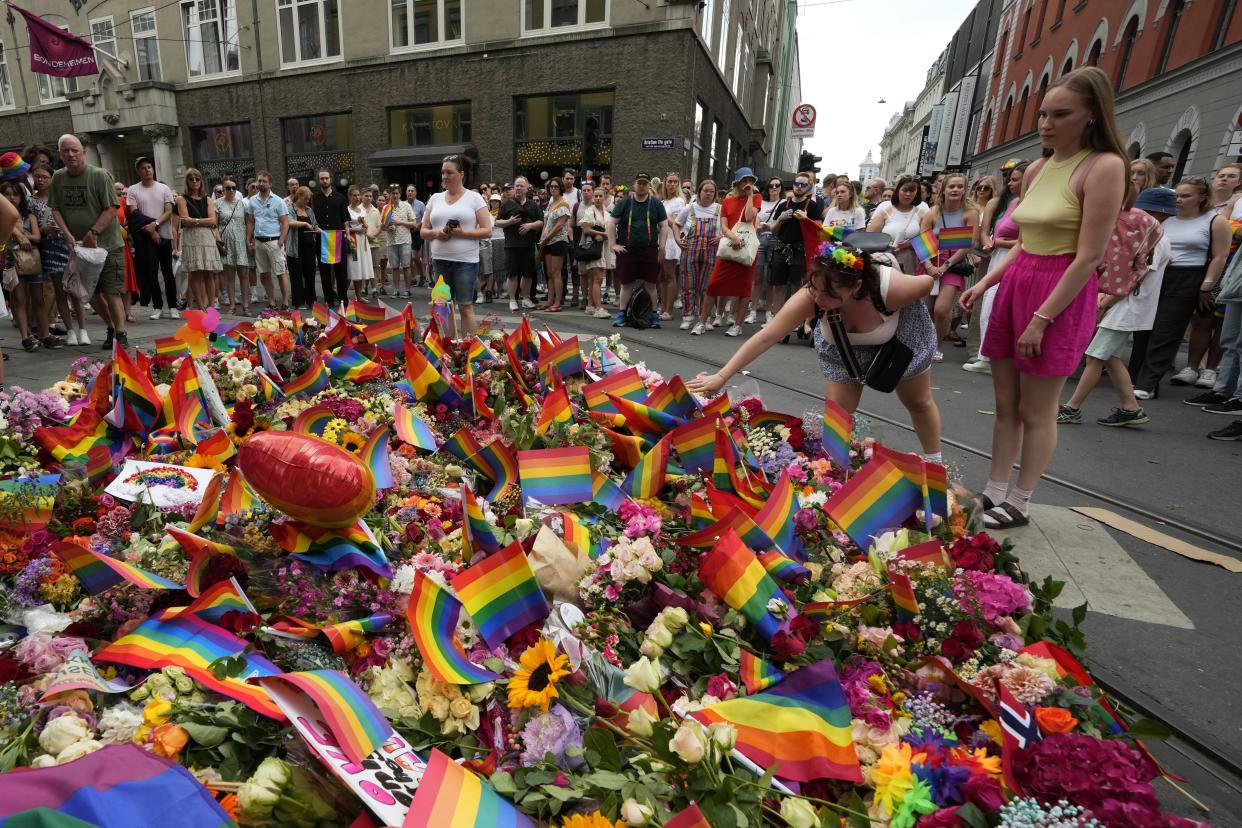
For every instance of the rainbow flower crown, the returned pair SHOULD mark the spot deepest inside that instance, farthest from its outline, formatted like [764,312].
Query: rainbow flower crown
[841,255]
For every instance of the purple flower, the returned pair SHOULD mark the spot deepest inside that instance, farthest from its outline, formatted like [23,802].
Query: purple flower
[552,732]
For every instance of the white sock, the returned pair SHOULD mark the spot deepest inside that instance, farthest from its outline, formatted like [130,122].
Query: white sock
[935,457]
[1020,499]
[995,491]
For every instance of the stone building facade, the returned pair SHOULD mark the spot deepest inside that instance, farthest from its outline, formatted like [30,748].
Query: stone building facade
[382,90]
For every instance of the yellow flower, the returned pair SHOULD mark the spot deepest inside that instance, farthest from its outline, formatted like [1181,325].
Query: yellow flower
[534,684]
[592,820]
[891,776]
[352,442]
[993,730]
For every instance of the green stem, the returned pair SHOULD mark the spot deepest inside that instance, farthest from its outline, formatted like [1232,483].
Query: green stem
[591,714]
[824,802]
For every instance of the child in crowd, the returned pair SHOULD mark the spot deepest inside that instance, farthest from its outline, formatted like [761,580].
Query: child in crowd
[1122,315]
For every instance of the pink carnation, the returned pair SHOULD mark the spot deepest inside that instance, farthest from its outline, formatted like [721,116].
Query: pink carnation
[994,595]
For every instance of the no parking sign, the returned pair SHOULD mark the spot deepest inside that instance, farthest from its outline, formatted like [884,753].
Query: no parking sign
[803,121]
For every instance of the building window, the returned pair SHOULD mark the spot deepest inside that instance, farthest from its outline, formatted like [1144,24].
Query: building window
[1093,56]
[1026,28]
[1003,135]
[542,15]
[1170,35]
[1060,13]
[6,89]
[310,30]
[429,126]
[1222,27]
[1020,125]
[708,20]
[211,46]
[319,141]
[1134,151]
[103,35]
[557,131]
[1127,50]
[53,89]
[146,44]
[1039,23]
[1183,143]
[713,167]
[725,29]
[1039,104]
[423,22]
[224,149]
[1068,67]
[696,147]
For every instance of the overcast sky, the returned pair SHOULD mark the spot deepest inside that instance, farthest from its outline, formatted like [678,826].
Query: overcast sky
[855,52]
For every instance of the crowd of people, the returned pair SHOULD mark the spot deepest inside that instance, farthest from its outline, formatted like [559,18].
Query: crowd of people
[727,254]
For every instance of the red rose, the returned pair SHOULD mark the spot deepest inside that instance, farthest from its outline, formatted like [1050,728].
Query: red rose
[984,793]
[947,818]
[12,670]
[954,650]
[239,622]
[968,634]
[787,646]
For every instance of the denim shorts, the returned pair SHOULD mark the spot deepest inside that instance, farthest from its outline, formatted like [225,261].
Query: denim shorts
[399,255]
[459,276]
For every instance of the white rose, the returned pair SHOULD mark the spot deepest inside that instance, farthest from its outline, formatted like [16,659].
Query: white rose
[650,649]
[634,812]
[675,618]
[798,813]
[661,637]
[62,732]
[689,742]
[644,675]
[523,527]
[43,761]
[78,750]
[723,734]
[640,722]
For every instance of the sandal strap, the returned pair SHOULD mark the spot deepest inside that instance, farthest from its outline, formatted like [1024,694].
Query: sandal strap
[1006,515]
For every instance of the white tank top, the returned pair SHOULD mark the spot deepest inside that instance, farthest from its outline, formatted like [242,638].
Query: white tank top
[1189,239]
[881,333]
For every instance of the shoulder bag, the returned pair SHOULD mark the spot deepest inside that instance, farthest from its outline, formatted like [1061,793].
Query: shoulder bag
[888,365]
[749,250]
[589,248]
[27,262]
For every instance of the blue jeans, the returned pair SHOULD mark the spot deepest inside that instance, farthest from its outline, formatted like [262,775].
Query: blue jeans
[1229,373]
[459,276]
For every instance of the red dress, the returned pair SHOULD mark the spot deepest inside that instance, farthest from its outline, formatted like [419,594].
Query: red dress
[732,278]
[131,275]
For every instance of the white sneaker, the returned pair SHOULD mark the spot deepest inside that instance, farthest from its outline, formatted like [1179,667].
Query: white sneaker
[686,322]
[479,300]
[603,313]
[1140,394]
[173,313]
[1186,376]
[697,330]
[527,304]
[156,314]
[979,366]
[588,310]
[750,317]
[513,305]
[1207,379]
[767,317]
[71,338]
[734,330]
[83,337]
[937,357]
[665,316]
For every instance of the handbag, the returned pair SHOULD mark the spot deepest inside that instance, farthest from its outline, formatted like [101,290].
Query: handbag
[588,249]
[888,365]
[747,253]
[27,262]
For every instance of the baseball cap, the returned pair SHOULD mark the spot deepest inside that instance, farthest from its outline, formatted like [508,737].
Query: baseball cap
[494,197]
[642,176]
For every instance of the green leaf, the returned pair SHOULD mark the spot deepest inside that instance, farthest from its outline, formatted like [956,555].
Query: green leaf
[205,734]
[1079,614]
[604,745]
[1147,729]
[502,781]
[605,779]
[539,777]
[971,816]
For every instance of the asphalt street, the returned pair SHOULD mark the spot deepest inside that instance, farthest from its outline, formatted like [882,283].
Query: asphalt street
[1162,629]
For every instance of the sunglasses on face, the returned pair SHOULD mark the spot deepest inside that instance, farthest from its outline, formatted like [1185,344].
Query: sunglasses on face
[800,185]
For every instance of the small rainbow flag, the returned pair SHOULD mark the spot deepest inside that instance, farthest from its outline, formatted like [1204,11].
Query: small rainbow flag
[462,444]
[957,238]
[930,478]
[647,479]
[627,384]
[312,381]
[185,402]
[757,674]
[350,365]
[477,533]
[449,796]
[98,572]
[783,567]
[268,387]
[576,535]
[332,550]
[386,216]
[801,726]
[523,341]
[737,577]
[838,431]
[700,512]
[432,615]
[877,498]
[375,455]
[437,350]
[500,465]
[642,419]
[771,418]
[348,712]
[627,450]
[479,354]
[428,384]
[925,245]
[906,605]
[209,505]
[674,399]
[344,636]
[336,335]
[387,334]
[476,395]
[86,432]
[605,492]
[189,642]
[732,513]
[691,817]
[501,594]
[193,544]
[215,448]
[928,552]
[564,357]
[411,429]
[215,601]
[361,312]
[776,516]
[134,386]
[719,406]
[320,313]
[331,246]
[170,346]
[265,357]
[556,409]
[695,443]
[556,476]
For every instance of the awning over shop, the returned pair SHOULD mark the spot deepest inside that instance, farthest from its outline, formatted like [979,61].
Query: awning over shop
[418,156]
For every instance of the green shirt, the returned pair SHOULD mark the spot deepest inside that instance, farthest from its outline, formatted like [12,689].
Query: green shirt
[81,198]
[638,222]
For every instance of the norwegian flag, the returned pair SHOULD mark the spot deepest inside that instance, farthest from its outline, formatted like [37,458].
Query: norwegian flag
[1018,729]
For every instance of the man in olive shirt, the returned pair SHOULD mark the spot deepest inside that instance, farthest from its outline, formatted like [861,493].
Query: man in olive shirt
[522,220]
[634,234]
[83,202]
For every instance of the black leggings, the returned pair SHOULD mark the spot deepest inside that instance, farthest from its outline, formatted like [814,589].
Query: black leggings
[302,272]
[1155,350]
[335,281]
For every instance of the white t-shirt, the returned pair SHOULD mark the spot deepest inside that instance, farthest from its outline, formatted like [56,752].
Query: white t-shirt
[696,212]
[901,226]
[855,220]
[765,211]
[1137,312]
[455,249]
[673,207]
[150,201]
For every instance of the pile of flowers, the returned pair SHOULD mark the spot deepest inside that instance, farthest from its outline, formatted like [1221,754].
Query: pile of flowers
[606,709]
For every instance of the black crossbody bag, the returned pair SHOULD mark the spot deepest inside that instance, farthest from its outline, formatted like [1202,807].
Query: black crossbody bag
[888,365]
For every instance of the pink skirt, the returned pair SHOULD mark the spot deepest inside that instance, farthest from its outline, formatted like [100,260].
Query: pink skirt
[1025,285]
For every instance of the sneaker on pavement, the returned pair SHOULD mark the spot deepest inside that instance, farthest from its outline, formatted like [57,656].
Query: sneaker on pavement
[655,319]
[1066,414]
[1140,394]
[83,337]
[71,338]
[618,319]
[513,305]
[122,339]
[1207,379]
[158,313]
[767,315]
[106,345]
[734,330]
[173,313]
[52,343]
[698,329]
[1206,398]
[979,366]
[1227,407]
[677,305]
[750,317]
[1233,431]
[665,316]
[937,357]
[527,304]
[686,322]
[1186,376]
[1121,417]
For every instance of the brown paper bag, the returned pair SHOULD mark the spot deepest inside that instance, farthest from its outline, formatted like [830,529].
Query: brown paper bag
[557,568]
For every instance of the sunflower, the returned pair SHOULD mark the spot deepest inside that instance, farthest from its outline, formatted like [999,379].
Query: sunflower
[352,441]
[534,684]
[593,820]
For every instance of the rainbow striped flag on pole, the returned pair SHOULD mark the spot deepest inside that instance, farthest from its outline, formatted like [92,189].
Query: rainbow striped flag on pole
[925,245]
[449,796]
[801,726]
[556,476]
[348,712]
[97,572]
[432,614]
[737,577]
[757,675]
[501,594]
[838,432]
[957,238]
[877,498]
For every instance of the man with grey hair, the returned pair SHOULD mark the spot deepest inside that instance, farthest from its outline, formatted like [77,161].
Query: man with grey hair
[873,194]
[84,205]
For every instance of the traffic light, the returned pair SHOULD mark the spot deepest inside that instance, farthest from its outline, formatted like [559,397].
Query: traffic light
[809,162]
[590,143]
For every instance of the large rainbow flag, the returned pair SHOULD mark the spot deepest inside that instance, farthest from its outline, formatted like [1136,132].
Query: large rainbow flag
[449,796]
[432,615]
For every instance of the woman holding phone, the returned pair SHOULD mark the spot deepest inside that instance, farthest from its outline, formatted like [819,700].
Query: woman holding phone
[455,221]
